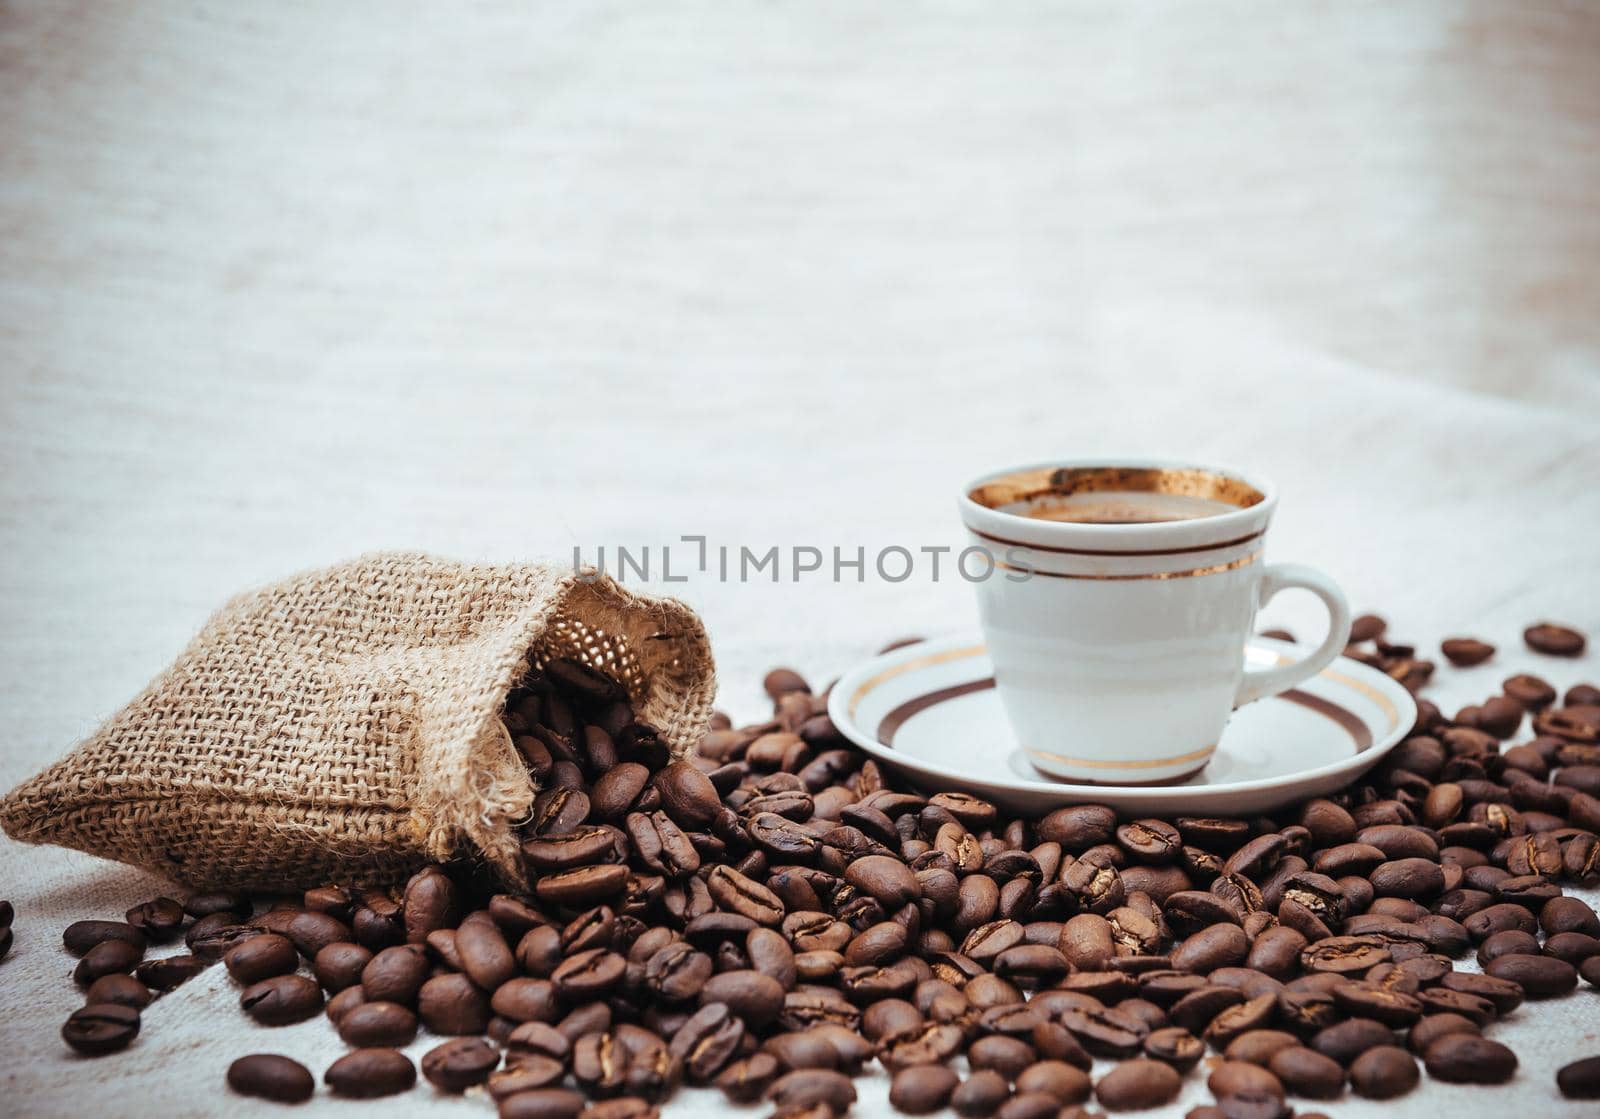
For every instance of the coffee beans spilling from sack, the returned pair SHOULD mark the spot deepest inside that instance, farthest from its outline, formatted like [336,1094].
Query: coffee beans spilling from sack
[776,913]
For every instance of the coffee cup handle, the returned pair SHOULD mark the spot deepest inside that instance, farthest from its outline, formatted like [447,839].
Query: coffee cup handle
[1271,681]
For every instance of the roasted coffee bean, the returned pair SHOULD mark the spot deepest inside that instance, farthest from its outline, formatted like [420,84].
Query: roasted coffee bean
[1067,1083]
[1554,640]
[453,1005]
[1079,827]
[525,1073]
[1105,1032]
[110,957]
[166,974]
[542,1103]
[739,894]
[582,886]
[102,1027]
[261,957]
[1580,1080]
[887,879]
[1029,1105]
[747,1080]
[118,988]
[268,1076]
[395,975]
[1345,1041]
[282,1000]
[1174,1045]
[1464,1058]
[365,1074]
[1140,1083]
[707,1042]
[687,795]
[1307,1072]
[312,932]
[1540,977]
[923,1089]
[1220,945]
[1383,1072]
[485,955]
[340,965]
[378,1024]
[980,1095]
[80,936]
[807,1087]
[1434,1026]
[204,905]
[460,1063]
[1006,1055]
[926,1044]
[159,919]
[1464,652]
[754,997]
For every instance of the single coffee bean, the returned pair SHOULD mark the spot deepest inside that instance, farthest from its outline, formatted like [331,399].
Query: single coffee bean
[166,974]
[1008,1056]
[1383,1072]
[1434,1026]
[1540,977]
[924,1089]
[1554,640]
[1067,1083]
[80,936]
[269,1076]
[754,997]
[807,1087]
[543,1103]
[159,919]
[460,1063]
[1580,1080]
[485,955]
[340,965]
[747,1080]
[119,988]
[1463,1058]
[261,957]
[102,1027]
[205,905]
[1307,1072]
[980,1095]
[1029,1105]
[1240,1078]
[453,1005]
[687,795]
[378,1024]
[311,932]
[432,901]
[109,957]
[1139,1083]
[365,1074]
[1347,1040]
[282,1000]
[396,975]
[1464,652]
[1367,627]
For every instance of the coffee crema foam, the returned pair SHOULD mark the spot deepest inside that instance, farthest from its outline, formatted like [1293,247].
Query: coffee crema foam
[1103,508]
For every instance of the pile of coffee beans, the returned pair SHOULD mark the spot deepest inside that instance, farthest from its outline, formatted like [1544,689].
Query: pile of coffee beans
[775,913]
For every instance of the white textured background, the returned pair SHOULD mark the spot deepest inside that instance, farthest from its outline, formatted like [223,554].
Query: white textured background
[283,283]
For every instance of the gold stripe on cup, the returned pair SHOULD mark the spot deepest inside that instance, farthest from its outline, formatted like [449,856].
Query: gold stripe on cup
[1193,572]
[1151,763]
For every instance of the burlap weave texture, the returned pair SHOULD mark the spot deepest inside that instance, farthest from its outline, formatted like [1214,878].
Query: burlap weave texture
[343,725]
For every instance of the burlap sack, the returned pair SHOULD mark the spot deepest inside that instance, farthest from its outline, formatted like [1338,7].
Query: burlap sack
[343,725]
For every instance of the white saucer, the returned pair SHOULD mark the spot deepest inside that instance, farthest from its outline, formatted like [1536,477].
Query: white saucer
[930,710]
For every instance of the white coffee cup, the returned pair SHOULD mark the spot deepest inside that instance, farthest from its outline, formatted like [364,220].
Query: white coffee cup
[1117,637]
